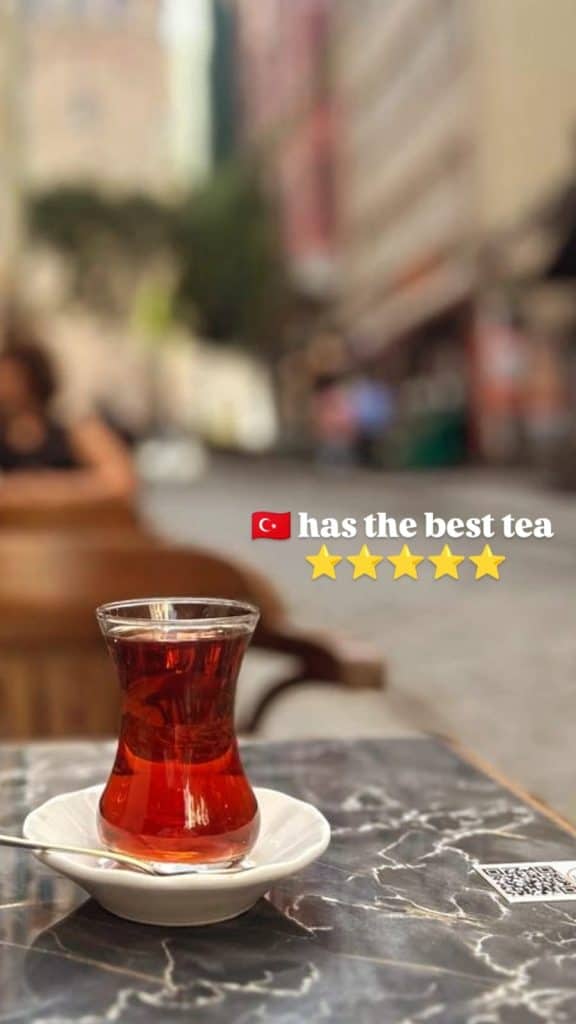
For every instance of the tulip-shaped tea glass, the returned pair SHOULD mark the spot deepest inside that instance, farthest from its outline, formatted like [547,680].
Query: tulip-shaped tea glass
[178,791]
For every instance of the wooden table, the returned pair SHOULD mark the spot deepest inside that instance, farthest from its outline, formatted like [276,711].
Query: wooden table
[391,925]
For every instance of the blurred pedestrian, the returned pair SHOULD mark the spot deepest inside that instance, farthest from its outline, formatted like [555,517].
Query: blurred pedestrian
[334,422]
[44,461]
[374,412]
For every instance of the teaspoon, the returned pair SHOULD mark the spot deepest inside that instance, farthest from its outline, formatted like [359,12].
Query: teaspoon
[157,868]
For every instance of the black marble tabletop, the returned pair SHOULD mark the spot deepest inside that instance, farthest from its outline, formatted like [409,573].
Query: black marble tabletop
[391,925]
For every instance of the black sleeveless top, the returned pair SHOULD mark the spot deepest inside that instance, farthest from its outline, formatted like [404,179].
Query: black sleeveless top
[55,451]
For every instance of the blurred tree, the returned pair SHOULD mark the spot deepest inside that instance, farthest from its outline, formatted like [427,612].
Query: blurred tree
[108,242]
[220,243]
[232,277]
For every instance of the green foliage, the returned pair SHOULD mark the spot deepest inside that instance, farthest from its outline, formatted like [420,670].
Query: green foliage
[228,252]
[221,243]
[107,242]
[71,216]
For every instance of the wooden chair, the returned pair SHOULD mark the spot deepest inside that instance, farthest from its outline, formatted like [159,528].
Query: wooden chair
[110,513]
[55,678]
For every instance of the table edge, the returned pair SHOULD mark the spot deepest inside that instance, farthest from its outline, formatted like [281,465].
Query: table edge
[535,802]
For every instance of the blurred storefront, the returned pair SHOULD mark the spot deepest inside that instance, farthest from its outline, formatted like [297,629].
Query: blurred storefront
[405,188]
[537,260]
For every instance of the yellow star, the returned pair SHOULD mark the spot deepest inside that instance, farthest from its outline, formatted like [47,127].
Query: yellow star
[487,563]
[405,564]
[365,563]
[323,563]
[446,563]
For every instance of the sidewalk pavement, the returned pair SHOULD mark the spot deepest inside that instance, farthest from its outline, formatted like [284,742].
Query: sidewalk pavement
[491,663]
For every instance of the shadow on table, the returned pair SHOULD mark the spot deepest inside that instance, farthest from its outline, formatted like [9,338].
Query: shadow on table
[94,963]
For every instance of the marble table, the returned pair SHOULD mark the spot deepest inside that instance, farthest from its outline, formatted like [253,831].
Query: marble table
[391,925]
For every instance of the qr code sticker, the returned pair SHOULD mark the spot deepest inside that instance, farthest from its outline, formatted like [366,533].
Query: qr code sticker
[532,882]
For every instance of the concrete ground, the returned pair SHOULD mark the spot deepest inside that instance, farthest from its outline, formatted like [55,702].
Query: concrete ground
[491,663]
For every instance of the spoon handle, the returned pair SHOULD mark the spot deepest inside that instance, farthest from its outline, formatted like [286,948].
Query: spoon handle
[120,858]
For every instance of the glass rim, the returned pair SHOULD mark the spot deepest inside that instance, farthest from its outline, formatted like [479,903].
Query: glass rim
[248,614]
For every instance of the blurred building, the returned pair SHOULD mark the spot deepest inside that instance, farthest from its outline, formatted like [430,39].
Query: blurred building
[454,121]
[287,118]
[405,164]
[530,111]
[11,150]
[96,94]
[224,83]
[150,83]
[118,93]
[527,118]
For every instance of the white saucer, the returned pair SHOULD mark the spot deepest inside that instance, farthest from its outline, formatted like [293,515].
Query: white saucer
[292,835]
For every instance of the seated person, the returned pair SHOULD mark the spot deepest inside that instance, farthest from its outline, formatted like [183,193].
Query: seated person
[43,462]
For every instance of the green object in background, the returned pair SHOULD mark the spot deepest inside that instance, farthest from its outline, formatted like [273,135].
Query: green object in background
[153,315]
[229,262]
[221,242]
[438,439]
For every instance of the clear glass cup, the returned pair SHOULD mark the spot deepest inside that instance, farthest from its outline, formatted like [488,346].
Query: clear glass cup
[178,791]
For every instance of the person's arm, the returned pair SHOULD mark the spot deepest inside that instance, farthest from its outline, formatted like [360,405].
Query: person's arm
[105,473]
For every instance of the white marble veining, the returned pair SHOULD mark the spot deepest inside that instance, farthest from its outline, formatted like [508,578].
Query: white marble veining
[392,925]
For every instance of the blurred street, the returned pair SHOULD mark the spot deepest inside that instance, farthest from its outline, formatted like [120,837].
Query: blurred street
[316,240]
[472,659]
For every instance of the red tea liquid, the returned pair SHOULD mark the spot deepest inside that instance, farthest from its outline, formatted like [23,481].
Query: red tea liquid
[178,790]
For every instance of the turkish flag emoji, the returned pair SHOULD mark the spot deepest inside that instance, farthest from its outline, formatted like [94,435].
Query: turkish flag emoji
[271,525]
